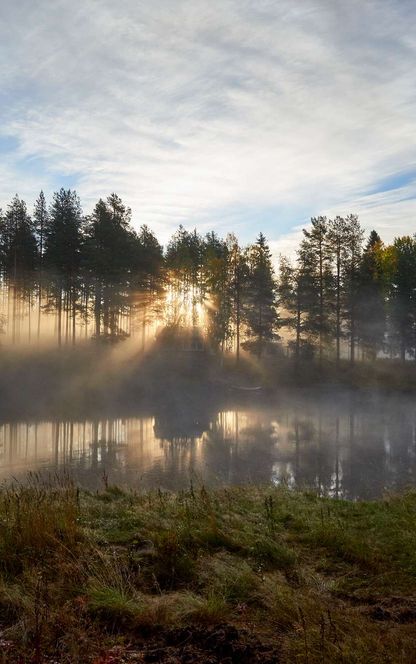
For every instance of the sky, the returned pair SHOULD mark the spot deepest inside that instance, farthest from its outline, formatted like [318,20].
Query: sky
[232,115]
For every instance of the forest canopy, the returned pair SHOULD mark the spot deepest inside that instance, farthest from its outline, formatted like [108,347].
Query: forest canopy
[68,276]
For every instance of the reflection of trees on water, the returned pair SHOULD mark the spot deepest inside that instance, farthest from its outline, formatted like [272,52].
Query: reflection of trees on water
[240,449]
[221,450]
[312,461]
[353,448]
[401,446]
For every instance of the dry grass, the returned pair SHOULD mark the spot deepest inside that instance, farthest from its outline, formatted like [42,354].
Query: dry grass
[324,581]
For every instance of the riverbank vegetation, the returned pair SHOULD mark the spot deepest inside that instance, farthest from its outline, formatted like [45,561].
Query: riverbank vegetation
[238,574]
[67,277]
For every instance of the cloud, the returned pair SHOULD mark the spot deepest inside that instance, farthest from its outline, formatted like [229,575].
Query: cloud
[212,114]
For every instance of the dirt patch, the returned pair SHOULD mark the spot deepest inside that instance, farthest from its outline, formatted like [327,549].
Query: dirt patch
[223,644]
[393,610]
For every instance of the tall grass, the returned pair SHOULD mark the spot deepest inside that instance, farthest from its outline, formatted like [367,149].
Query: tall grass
[37,518]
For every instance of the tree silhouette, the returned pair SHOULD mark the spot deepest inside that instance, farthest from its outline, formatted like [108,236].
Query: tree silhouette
[260,312]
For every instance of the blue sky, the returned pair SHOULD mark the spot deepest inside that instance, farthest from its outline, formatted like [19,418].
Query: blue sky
[238,115]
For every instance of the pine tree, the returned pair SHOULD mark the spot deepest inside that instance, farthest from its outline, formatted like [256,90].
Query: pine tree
[307,301]
[237,279]
[184,261]
[289,310]
[109,260]
[20,256]
[216,289]
[40,223]
[337,236]
[371,314]
[20,245]
[316,244]
[260,308]
[402,302]
[293,300]
[62,256]
[147,282]
[3,242]
[351,277]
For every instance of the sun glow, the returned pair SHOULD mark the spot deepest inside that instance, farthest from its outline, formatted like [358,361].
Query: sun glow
[184,306]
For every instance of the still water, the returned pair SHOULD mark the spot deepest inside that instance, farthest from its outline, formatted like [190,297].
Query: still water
[345,445]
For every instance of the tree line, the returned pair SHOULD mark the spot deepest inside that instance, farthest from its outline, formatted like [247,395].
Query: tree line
[345,292]
[79,276]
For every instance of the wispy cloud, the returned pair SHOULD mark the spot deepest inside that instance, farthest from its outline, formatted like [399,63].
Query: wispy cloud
[214,114]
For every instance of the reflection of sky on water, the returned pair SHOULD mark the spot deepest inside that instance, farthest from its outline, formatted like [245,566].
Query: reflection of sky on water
[351,448]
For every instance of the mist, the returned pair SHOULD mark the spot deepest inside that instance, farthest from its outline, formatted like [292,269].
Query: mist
[204,360]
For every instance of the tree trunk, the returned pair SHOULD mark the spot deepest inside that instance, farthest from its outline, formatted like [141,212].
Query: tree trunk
[338,308]
[238,323]
[298,331]
[321,303]
[39,302]
[60,317]
[97,310]
[74,317]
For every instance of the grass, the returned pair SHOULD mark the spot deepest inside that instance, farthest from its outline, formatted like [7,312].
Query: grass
[102,577]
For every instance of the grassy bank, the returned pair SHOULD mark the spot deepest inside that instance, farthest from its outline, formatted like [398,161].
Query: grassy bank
[236,575]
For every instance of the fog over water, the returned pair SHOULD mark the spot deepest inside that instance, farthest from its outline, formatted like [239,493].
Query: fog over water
[353,445]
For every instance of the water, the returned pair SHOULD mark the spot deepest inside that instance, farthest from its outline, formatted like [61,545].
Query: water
[344,445]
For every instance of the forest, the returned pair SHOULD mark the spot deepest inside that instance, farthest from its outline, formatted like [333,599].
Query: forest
[67,277]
